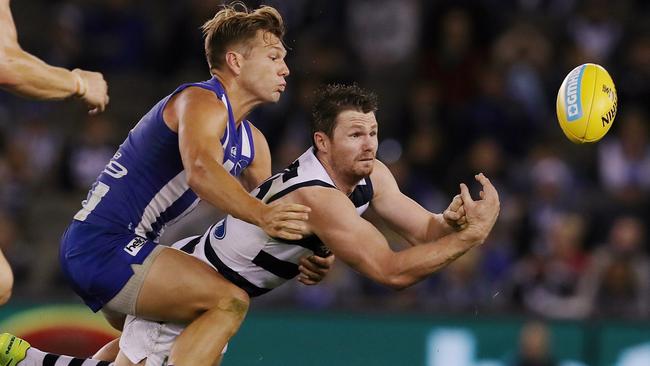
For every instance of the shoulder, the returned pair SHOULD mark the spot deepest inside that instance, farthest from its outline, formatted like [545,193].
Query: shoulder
[381,177]
[198,95]
[258,136]
[191,104]
[318,195]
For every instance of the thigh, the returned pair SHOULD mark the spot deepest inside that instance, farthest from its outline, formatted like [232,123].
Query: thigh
[179,287]
[99,263]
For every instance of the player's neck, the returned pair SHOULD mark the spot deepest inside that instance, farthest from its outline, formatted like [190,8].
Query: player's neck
[342,182]
[241,101]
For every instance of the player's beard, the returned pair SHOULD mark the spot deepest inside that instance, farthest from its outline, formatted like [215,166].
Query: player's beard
[361,169]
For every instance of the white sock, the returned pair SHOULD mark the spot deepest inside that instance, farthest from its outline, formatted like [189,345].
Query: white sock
[36,357]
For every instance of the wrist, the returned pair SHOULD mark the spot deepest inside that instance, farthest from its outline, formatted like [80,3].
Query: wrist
[259,209]
[469,239]
[444,227]
[81,85]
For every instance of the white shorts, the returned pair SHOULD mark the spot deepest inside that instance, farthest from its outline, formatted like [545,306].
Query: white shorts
[148,339]
[144,339]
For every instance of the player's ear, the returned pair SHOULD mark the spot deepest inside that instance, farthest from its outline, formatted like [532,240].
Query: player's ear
[321,141]
[233,62]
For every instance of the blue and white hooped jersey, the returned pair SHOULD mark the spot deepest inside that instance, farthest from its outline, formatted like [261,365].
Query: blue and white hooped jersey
[144,187]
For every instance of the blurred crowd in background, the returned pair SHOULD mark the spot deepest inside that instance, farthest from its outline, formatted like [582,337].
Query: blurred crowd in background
[464,87]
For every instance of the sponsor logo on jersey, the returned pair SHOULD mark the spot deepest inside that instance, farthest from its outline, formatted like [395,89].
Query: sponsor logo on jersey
[135,245]
[219,231]
[572,94]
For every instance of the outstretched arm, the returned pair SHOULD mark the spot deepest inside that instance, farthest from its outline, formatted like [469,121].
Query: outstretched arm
[26,75]
[359,244]
[405,216]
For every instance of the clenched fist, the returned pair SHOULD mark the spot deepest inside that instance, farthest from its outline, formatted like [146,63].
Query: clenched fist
[92,89]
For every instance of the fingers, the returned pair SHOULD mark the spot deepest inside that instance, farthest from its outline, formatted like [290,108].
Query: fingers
[306,280]
[94,90]
[464,194]
[450,215]
[292,207]
[312,275]
[313,269]
[489,192]
[319,262]
[309,275]
[286,216]
[286,235]
[462,220]
[286,221]
[456,203]
[293,226]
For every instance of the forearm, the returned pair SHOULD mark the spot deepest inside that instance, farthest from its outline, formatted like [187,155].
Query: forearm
[28,76]
[215,185]
[414,264]
[435,228]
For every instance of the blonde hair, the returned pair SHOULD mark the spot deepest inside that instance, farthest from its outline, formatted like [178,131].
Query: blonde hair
[234,24]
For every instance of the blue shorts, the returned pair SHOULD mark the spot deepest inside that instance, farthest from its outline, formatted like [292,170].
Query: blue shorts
[97,260]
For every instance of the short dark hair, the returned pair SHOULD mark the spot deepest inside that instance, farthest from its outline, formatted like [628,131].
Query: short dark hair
[232,25]
[332,99]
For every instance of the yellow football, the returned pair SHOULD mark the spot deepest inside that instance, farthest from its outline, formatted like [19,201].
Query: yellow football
[586,103]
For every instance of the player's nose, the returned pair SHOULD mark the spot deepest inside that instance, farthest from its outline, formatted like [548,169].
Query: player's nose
[284,70]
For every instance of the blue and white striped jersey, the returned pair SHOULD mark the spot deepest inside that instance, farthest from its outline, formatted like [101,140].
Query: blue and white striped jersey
[144,187]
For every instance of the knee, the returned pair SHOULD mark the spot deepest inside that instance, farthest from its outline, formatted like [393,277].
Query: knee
[236,304]
[230,299]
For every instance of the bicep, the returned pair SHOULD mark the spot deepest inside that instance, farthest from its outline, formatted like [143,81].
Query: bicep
[201,123]
[401,213]
[352,239]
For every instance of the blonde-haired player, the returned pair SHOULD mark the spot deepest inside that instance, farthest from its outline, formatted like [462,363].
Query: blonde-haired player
[193,144]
